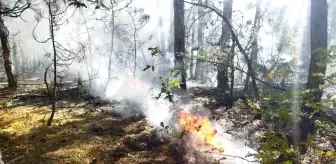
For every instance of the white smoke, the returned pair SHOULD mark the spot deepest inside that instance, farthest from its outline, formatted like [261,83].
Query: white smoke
[139,90]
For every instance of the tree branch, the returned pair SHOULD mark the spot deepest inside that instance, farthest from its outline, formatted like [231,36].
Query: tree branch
[234,37]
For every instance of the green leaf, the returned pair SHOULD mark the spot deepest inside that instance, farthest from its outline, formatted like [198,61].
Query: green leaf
[176,83]
[153,68]
[154,50]
[330,154]
[146,68]
[309,140]
[287,162]
[162,124]
[255,111]
[291,62]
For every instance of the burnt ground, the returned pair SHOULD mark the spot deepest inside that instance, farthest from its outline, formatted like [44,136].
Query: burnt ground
[83,134]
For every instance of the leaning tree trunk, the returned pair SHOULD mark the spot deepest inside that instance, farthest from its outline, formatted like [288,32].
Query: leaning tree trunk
[179,31]
[222,74]
[319,45]
[8,63]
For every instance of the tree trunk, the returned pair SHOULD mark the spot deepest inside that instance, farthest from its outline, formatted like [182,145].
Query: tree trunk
[319,45]
[112,46]
[51,22]
[192,54]
[232,68]
[16,58]
[162,59]
[222,74]
[179,31]
[254,45]
[8,63]
[199,63]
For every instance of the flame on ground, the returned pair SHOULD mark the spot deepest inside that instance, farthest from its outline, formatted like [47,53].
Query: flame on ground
[200,128]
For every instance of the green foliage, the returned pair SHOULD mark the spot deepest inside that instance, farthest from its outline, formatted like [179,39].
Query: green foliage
[255,106]
[276,149]
[148,67]
[167,83]
[154,51]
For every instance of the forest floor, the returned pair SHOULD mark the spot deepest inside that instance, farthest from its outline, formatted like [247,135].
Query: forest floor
[79,135]
[76,136]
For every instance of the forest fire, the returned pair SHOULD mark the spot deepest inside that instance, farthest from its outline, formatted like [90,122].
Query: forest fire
[201,129]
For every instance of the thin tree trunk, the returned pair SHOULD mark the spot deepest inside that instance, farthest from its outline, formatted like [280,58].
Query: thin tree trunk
[51,22]
[254,45]
[192,53]
[163,70]
[199,63]
[232,68]
[112,46]
[179,31]
[8,63]
[16,59]
[222,74]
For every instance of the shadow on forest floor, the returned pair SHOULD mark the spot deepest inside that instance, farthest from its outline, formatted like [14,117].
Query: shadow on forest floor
[74,137]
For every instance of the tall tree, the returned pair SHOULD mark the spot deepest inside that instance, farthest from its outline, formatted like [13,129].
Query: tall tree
[254,44]
[52,8]
[222,74]
[200,38]
[319,45]
[13,11]
[179,33]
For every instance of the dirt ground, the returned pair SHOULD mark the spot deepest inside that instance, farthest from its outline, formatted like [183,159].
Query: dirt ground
[76,136]
[82,135]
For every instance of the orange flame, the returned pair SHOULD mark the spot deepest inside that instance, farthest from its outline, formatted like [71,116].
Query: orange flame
[200,127]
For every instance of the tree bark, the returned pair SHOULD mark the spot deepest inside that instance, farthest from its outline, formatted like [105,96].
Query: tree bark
[16,58]
[112,45]
[199,63]
[51,22]
[8,63]
[192,54]
[254,45]
[232,68]
[179,31]
[319,45]
[222,74]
